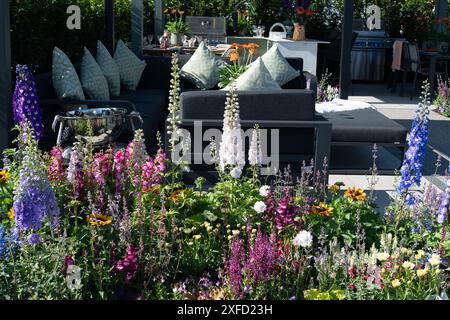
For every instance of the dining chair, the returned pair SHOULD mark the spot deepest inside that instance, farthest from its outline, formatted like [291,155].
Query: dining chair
[414,64]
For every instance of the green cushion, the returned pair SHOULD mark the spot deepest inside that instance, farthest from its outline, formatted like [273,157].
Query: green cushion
[203,68]
[257,77]
[109,68]
[92,79]
[280,70]
[130,66]
[65,79]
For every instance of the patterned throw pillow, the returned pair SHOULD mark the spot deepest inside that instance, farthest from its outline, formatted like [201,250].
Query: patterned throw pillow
[92,79]
[130,66]
[280,70]
[109,68]
[203,68]
[257,77]
[65,79]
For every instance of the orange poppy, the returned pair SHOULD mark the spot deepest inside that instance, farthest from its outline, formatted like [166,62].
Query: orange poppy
[234,56]
[181,12]
[238,46]
[252,51]
[300,10]
[252,45]
[166,11]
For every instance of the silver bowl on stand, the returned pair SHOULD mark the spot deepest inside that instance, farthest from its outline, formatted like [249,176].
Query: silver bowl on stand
[98,126]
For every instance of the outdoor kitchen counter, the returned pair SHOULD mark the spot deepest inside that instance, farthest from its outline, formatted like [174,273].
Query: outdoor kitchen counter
[305,49]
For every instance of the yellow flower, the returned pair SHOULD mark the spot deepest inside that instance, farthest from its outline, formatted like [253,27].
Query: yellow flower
[322,210]
[382,256]
[403,250]
[11,214]
[422,272]
[355,194]
[235,232]
[435,260]
[4,176]
[408,265]
[420,254]
[335,188]
[209,228]
[197,237]
[395,283]
[99,220]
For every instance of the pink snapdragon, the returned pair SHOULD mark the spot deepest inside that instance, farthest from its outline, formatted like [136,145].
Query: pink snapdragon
[55,170]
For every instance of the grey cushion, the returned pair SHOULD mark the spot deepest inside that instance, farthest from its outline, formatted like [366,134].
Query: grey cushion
[256,77]
[365,125]
[254,105]
[203,68]
[130,66]
[109,69]
[92,79]
[280,70]
[65,79]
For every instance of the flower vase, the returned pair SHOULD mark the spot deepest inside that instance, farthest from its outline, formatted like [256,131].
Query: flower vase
[299,32]
[176,39]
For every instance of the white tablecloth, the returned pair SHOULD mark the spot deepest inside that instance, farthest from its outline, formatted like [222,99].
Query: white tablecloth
[339,105]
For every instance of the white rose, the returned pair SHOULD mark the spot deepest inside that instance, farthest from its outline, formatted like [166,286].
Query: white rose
[236,173]
[264,191]
[260,207]
[303,239]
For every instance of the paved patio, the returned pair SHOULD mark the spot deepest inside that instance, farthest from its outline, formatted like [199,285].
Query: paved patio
[402,110]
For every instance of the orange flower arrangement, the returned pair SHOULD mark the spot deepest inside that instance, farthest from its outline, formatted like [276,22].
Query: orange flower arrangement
[234,56]
[238,66]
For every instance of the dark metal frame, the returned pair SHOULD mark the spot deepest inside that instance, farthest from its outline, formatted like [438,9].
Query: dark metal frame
[401,146]
[109,24]
[346,49]
[137,26]
[322,136]
[5,74]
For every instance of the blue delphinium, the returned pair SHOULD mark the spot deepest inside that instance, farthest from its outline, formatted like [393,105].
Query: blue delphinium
[3,241]
[9,241]
[417,147]
[25,102]
[34,199]
[445,204]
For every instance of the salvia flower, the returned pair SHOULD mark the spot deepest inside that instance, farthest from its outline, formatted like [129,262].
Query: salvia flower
[417,142]
[34,199]
[25,105]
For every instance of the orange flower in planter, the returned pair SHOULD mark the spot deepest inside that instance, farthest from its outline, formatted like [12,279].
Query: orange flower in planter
[300,10]
[237,46]
[234,56]
[166,11]
[181,12]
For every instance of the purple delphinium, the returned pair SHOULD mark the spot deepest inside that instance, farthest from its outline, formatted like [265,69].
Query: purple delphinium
[415,155]
[34,238]
[25,102]
[34,198]
[445,203]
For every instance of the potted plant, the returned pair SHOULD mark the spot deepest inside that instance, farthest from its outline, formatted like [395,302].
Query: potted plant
[299,12]
[177,27]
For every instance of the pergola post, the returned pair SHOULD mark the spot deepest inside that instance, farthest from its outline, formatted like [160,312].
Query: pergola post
[346,50]
[109,23]
[159,19]
[5,74]
[137,26]
[441,12]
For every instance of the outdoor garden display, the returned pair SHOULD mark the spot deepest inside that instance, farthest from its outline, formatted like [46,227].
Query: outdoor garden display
[441,102]
[120,224]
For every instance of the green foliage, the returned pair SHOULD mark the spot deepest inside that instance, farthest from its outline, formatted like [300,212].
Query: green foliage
[38,26]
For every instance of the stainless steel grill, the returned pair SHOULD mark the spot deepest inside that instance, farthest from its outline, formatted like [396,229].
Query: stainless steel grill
[369,52]
[212,29]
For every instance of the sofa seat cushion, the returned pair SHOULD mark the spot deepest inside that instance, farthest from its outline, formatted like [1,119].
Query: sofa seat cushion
[365,125]
[152,105]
